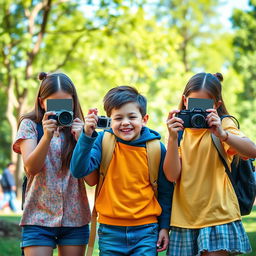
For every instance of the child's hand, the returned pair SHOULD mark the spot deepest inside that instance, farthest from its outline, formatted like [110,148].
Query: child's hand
[163,240]
[91,121]
[214,122]
[77,127]
[49,125]
[174,124]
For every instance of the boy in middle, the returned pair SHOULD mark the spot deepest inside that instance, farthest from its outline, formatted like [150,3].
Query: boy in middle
[132,220]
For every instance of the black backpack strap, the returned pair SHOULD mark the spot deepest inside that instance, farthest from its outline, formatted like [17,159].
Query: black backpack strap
[180,135]
[222,155]
[233,118]
[40,133]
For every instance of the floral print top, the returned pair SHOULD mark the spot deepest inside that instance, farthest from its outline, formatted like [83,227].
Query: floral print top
[53,198]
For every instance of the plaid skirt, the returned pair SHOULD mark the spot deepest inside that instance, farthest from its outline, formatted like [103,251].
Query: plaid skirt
[230,237]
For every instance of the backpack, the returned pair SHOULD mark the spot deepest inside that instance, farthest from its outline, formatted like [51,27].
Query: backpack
[4,182]
[153,148]
[40,133]
[241,174]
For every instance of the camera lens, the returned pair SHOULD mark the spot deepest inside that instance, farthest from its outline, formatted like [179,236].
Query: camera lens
[102,122]
[65,118]
[198,121]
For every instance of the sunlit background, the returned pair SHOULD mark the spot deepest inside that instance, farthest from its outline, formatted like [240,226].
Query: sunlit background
[154,45]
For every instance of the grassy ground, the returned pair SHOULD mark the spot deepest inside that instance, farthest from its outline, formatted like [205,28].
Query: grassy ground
[10,246]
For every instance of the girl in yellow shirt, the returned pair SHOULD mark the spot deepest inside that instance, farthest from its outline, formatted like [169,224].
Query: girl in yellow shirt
[205,218]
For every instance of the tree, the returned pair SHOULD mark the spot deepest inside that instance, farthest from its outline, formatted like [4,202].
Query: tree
[244,23]
[24,25]
[194,22]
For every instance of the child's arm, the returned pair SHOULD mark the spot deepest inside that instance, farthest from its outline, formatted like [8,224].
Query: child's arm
[165,191]
[172,162]
[86,156]
[34,154]
[242,145]
[92,179]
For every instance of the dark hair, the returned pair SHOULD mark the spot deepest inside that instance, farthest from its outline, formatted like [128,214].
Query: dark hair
[120,95]
[52,83]
[211,83]
[9,164]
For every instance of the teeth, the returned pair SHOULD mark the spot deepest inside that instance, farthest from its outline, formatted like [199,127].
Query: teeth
[126,130]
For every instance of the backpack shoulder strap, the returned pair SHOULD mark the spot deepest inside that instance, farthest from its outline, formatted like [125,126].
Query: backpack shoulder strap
[220,149]
[223,157]
[233,118]
[154,156]
[40,131]
[108,147]
[180,135]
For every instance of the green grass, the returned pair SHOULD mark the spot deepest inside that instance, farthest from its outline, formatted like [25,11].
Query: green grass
[10,246]
[249,223]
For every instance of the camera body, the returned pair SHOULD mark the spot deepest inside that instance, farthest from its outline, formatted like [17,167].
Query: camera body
[195,115]
[104,122]
[194,118]
[63,111]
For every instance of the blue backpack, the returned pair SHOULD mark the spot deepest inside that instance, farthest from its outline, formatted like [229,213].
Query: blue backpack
[241,175]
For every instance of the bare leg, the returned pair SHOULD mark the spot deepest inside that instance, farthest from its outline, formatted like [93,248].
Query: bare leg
[217,253]
[74,250]
[38,251]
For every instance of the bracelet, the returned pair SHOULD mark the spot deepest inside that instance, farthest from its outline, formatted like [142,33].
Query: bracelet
[225,138]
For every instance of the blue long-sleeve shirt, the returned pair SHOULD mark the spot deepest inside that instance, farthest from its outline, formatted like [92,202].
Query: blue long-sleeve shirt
[87,158]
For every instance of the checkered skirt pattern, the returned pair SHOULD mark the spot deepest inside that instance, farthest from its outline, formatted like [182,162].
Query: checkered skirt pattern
[230,237]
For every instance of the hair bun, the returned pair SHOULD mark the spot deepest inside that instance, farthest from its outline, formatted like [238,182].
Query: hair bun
[219,76]
[42,76]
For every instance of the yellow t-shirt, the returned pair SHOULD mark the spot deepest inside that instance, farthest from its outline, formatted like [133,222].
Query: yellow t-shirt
[127,197]
[204,196]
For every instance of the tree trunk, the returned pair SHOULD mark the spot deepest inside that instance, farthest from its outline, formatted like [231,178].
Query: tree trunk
[13,105]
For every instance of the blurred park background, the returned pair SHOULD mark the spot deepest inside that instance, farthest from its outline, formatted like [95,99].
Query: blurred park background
[154,45]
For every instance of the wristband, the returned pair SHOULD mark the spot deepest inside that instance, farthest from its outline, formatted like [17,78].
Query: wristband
[226,137]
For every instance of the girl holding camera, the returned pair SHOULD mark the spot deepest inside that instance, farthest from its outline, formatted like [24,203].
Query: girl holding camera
[56,209]
[205,218]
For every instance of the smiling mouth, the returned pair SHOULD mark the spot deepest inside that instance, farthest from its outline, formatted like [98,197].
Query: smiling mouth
[126,130]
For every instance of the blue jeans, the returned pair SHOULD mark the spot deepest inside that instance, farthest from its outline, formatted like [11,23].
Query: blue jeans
[9,197]
[128,241]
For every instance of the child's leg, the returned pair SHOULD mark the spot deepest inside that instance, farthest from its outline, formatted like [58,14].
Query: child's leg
[72,240]
[123,241]
[112,240]
[12,202]
[38,251]
[217,253]
[38,240]
[143,240]
[74,250]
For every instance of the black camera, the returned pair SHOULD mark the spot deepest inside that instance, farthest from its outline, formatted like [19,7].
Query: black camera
[63,111]
[104,122]
[195,115]
[195,118]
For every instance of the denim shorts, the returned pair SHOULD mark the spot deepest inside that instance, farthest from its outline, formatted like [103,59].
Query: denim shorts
[128,241]
[33,235]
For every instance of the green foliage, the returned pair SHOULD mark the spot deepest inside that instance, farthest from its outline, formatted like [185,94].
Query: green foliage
[156,46]
[244,43]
